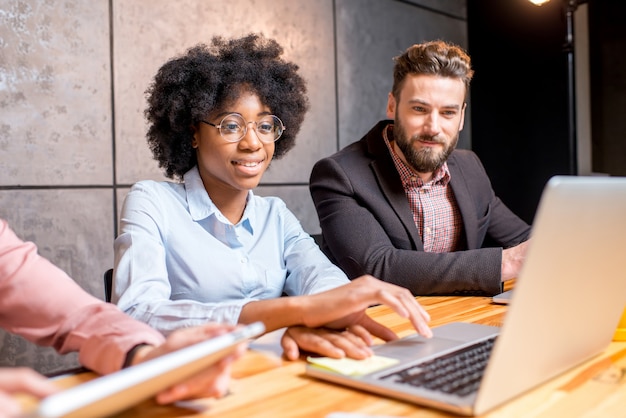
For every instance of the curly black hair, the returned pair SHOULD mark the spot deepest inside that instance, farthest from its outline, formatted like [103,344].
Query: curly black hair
[207,79]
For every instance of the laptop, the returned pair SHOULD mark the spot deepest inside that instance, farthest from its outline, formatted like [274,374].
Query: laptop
[503,298]
[567,302]
[118,391]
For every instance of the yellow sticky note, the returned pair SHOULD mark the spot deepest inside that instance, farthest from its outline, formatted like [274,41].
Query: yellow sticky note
[353,367]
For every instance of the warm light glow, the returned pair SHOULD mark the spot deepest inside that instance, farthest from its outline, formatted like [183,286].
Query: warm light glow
[538,2]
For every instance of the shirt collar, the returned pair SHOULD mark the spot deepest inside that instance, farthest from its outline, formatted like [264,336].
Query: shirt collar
[407,173]
[201,206]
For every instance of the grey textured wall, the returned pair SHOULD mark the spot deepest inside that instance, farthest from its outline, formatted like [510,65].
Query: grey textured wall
[72,80]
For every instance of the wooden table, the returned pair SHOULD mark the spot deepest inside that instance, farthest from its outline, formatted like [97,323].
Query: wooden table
[266,385]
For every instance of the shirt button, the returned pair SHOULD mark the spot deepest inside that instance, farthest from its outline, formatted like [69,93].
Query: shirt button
[427,230]
[244,260]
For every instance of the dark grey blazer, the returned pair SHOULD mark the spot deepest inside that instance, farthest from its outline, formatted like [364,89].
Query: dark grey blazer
[368,227]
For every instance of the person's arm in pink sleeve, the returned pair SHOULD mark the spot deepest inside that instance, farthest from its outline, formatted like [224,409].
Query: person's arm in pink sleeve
[44,305]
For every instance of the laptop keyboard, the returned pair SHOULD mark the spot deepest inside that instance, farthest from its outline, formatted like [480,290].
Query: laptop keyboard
[458,373]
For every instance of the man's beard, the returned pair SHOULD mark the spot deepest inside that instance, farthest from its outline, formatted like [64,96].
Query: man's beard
[426,159]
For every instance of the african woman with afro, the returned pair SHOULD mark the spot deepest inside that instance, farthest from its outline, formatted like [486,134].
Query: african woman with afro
[206,248]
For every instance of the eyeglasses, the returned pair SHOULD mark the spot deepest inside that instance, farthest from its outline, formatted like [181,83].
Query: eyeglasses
[233,127]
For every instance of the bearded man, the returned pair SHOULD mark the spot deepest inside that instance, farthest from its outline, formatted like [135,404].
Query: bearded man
[404,205]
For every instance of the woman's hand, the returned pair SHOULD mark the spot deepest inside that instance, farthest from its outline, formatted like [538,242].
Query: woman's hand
[353,342]
[345,306]
[337,325]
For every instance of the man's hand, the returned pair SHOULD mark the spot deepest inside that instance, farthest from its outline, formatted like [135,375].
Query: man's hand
[512,260]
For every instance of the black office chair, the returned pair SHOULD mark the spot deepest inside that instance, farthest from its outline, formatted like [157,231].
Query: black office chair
[108,284]
[318,239]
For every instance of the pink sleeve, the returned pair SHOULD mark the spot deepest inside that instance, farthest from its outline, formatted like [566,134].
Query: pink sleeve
[44,305]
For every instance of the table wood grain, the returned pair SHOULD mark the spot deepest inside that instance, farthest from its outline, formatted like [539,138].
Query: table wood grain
[266,385]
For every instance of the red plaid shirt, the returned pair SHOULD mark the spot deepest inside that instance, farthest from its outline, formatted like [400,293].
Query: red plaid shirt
[435,212]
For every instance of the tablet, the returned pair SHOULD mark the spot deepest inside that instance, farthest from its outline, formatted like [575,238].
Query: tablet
[110,394]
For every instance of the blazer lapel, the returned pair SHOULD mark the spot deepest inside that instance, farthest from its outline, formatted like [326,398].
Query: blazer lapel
[464,201]
[389,181]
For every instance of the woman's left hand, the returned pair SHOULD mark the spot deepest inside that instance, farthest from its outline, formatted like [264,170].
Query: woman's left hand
[353,342]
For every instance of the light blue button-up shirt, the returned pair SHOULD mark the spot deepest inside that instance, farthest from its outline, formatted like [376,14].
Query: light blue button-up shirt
[179,262]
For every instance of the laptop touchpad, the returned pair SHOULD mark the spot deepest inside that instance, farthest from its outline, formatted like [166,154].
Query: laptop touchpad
[415,347]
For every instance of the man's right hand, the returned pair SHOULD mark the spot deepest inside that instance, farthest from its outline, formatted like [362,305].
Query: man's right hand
[512,260]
